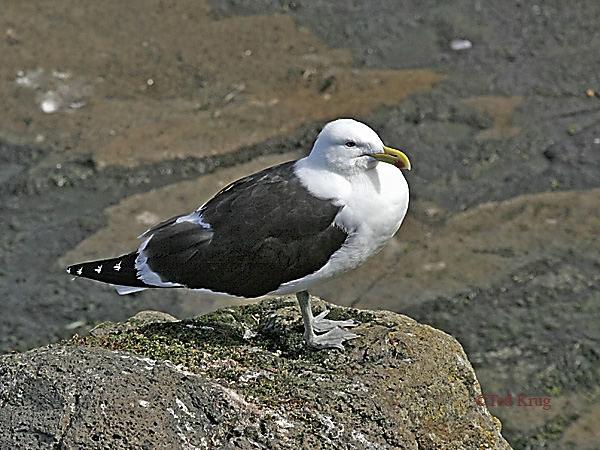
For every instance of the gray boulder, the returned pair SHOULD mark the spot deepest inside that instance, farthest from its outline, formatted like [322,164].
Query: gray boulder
[241,378]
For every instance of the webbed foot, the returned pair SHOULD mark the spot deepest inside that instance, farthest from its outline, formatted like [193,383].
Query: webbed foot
[334,336]
[320,324]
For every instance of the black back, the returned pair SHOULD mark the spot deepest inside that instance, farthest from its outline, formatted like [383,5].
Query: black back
[265,229]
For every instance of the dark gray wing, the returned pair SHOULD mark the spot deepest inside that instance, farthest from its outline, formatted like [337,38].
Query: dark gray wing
[255,234]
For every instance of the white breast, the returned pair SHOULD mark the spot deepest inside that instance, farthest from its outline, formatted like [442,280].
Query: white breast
[374,205]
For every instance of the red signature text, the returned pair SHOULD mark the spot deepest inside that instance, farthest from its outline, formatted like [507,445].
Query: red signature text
[513,400]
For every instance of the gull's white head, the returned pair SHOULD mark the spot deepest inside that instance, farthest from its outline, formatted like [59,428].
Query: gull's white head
[347,146]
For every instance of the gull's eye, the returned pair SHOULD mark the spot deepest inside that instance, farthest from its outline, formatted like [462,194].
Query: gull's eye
[350,144]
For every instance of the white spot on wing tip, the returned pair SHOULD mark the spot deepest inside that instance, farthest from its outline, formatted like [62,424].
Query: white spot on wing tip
[117,266]
[98,269]
[80,270]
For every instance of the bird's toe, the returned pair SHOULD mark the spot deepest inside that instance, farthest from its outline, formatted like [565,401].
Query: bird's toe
[334,338]
[320,324]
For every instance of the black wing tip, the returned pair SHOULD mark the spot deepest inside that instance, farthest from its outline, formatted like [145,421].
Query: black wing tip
[76,269]
[118,271]
[72,270]
[87,269]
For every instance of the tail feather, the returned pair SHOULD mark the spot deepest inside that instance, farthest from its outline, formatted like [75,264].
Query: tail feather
[119,271]
[124,290]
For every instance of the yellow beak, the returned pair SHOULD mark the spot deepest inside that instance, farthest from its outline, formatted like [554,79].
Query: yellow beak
[394,157]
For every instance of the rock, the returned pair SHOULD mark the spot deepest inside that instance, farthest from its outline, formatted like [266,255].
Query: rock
[241,377]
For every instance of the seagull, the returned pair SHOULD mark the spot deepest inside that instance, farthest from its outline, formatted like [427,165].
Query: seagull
[279,231]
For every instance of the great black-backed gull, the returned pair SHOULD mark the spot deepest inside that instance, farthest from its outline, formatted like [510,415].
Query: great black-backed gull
[279,231]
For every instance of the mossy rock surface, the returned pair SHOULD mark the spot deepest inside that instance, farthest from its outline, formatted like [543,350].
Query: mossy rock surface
[241,377]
